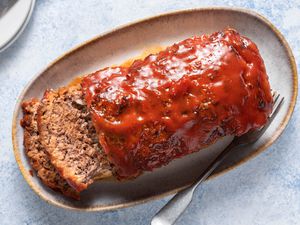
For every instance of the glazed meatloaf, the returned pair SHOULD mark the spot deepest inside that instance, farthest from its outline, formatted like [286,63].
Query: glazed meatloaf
[178,101]
[124,120]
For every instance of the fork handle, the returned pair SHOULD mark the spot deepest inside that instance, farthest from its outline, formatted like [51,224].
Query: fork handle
[177,205]
[174,208]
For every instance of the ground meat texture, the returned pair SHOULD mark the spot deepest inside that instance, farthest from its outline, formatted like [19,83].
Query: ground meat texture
[39,160]
[69,138]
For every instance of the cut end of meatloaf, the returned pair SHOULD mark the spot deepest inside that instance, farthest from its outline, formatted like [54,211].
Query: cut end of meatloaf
[69,138]
[38,158]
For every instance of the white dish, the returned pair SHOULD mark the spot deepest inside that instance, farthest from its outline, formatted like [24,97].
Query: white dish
[14,21]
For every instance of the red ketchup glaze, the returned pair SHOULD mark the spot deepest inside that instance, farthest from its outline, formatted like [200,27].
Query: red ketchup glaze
[178,101]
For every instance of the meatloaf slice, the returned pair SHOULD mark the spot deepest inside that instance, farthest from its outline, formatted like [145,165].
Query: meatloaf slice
[69,138]
[38,158]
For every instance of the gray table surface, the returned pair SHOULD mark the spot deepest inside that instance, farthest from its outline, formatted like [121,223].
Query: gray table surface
[265,190]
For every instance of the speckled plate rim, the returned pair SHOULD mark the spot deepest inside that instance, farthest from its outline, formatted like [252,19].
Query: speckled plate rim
[273,138]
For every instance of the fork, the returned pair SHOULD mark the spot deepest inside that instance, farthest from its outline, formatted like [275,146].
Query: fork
[177,205]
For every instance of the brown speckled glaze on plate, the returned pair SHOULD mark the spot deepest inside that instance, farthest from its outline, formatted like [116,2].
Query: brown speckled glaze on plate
[128,41]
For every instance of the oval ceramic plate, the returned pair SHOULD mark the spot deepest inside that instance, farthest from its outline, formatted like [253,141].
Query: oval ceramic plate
[128,41]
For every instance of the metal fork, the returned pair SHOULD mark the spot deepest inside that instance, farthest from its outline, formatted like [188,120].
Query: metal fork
[177,205]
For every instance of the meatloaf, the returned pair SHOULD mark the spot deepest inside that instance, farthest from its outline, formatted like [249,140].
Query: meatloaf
[39,160]
[61,143]
[69,138]
[178,101]
[124,120]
